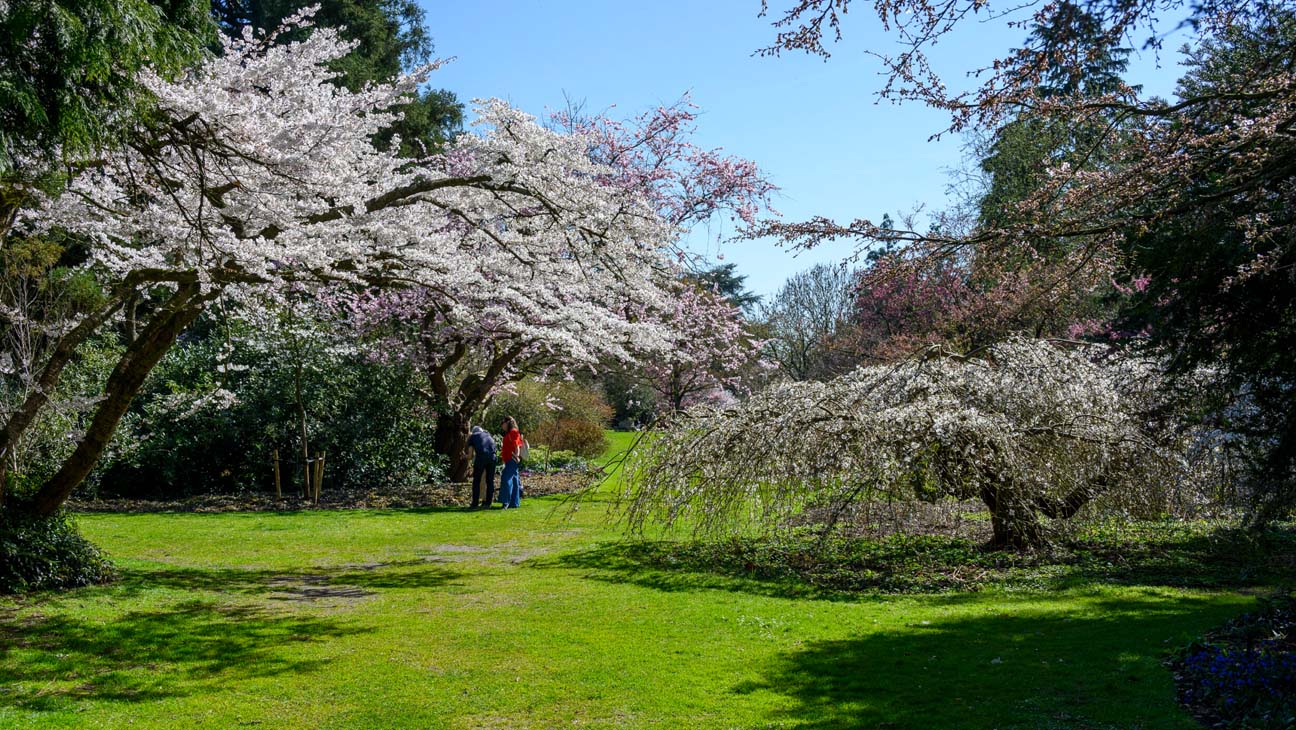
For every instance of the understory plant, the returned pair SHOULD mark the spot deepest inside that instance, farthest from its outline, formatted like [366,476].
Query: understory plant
[47,553]
[1244,675]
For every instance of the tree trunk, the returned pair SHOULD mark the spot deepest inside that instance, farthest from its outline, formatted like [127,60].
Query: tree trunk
[451,441]
[454,414]
[1014,521]
[124,382]
[62,354]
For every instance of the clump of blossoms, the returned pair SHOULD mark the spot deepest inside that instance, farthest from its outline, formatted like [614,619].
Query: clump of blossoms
[1032,429]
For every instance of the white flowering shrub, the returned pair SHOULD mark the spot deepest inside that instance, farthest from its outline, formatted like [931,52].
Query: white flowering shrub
[1035,430]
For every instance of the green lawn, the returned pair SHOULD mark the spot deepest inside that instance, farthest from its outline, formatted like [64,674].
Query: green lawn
[445,618]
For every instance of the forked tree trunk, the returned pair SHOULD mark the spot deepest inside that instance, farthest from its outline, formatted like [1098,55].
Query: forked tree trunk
[1014,521]
[63,353]
[455,409]
[123,383]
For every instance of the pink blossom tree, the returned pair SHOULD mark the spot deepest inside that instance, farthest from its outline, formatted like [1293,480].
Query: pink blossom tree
[713,352]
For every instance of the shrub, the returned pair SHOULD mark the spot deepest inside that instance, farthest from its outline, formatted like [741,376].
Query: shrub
[568,434]
[47,554]
[365,416]
[564,416]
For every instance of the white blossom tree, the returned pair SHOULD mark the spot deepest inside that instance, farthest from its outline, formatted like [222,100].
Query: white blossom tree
[550,312]
[1177,208]
[1033,429]
[255,172]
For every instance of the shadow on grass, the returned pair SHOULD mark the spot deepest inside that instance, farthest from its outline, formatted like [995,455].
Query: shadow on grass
[808,567]
[409,574]
[49,662]
[1081,663]
[656,565]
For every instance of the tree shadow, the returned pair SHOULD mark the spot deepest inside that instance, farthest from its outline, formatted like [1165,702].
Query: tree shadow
[409,574]
[1220,559]
[244,630]
[654,565]
[49,662]
[1097,664]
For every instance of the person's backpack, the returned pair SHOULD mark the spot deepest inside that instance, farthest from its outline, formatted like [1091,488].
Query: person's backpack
[524,451]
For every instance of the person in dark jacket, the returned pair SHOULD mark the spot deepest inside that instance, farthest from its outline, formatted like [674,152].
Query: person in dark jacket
[483,473]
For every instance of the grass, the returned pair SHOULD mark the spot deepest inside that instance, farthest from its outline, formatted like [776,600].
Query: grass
[540,618]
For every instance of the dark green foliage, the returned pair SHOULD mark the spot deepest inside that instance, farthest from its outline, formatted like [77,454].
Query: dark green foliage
[1021,151]
[1209,302]
[47,554]
[634,403]
[390,33]
[68,72]
[391,37]
[363,415]
[724,279]
[431,118]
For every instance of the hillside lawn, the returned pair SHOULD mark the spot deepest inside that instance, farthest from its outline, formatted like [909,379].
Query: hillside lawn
[433,618]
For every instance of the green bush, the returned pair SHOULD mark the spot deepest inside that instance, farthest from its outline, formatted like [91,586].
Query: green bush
[50,439]
[582,438]
[565,416]
[365,416]
[47,554]
[633,402]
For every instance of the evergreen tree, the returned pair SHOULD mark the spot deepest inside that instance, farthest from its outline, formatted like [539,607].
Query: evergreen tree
[68,83]
[1217,295]
[1021,150]
[724,279]
[391,37]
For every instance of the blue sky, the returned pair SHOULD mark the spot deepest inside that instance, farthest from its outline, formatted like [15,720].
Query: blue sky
[816,128]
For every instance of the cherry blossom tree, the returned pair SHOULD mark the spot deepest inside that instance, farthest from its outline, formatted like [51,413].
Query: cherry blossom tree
[469,348]
[1034,430]
[713,351]
[255,172]
[553,313]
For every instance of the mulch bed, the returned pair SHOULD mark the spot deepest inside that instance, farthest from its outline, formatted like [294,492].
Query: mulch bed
[455,494]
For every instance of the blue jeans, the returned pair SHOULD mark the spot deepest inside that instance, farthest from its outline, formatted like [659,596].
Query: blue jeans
[510,491]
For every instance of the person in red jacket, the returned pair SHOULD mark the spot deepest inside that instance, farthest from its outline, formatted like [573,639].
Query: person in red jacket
[510,491]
